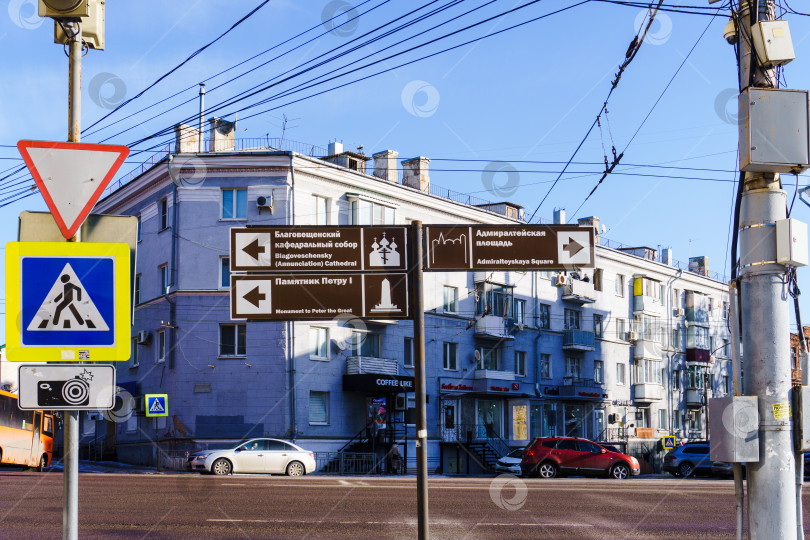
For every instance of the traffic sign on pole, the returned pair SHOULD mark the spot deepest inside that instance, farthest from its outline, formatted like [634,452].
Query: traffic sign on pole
[319,249]
[67,301]
[69,387]
[319,296]
[156,405]
[508,247]
[71,176]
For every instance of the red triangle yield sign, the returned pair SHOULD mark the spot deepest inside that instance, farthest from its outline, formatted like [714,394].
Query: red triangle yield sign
[71,176]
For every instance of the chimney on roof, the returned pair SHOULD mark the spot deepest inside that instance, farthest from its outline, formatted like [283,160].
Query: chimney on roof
[415,173]
[385,165]
[221,135]
[591,222]
[666,256]
[186,139]
[559,216]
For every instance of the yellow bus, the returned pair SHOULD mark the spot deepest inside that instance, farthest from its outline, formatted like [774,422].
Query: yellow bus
[26,437]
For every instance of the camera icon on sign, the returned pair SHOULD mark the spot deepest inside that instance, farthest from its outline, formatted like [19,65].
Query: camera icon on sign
[71,393]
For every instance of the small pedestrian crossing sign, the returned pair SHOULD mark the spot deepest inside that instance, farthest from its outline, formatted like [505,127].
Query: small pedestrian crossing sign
[67,301]
[668,442]
[156,405]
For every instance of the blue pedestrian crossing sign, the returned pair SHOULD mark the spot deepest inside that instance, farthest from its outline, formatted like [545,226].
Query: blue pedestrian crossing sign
[668,442]
[67,301]
[157,405]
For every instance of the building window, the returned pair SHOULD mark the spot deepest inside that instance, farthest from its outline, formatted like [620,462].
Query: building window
[545,366]
[164,278]
[408,352]
[619,285]
[544,316]
[133,355]
[520,363]
[164,213]
[597,279]
[697,337]
[597,326]
[572,319]
[621,330]
[450,356]
[232,340]
[321,210]
[234,203]
[161,347]
[573,367]
[493,299]
[139,230]
[725,310]
[620,374]
[318,343]
[662,419]
[726,385]
[489,358]
[598,371]
[676,379]
[726,351]
[647,371]
[520,312]
[371,213]
[450,299]
[366,344]
[676,339]
[224,272]
[318,408]
[136,297]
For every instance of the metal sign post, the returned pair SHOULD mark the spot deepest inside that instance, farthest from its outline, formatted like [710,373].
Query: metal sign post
[417,290]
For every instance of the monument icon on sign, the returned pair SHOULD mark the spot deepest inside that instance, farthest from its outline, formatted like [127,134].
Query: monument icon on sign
[383,253]
[68,306]
[385,304]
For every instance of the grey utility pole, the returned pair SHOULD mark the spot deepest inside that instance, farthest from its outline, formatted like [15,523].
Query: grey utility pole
[765,315]
[70,508]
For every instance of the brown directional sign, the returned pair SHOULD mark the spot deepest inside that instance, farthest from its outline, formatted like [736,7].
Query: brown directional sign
[319,249]
[508,247]
[319,296]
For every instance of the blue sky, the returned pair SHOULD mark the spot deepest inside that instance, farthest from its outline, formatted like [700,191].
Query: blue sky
[528,94]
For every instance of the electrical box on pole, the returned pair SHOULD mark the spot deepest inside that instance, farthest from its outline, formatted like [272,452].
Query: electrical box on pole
[92,27]
[791,242]
[773,126]
[772,43]
[734,429]
[64,9]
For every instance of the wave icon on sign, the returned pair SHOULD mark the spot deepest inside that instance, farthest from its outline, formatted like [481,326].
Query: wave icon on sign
[460,241]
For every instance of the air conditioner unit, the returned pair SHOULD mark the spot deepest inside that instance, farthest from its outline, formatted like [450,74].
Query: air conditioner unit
[264,202]
[680,312]
[341,344]
[632,335]
[400,403]
[561,280]
[143,337]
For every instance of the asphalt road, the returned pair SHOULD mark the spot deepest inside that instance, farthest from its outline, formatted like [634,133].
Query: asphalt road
[259,506]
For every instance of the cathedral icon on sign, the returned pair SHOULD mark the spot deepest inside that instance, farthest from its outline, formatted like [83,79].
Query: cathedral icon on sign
[383,253]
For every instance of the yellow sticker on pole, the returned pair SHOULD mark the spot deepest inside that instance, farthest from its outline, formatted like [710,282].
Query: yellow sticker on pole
[67,301]
[781,411]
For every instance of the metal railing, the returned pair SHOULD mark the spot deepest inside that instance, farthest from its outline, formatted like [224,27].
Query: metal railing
[346,462]
[675,263]
[578,338]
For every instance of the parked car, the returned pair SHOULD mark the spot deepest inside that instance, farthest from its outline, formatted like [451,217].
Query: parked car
[510,463]
[691,458]
[550,456]
[256,456]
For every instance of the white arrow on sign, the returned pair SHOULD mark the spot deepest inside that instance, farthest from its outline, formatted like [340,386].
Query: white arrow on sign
[71,176]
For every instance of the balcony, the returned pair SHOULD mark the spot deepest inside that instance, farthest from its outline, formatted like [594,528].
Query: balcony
[579,292]
[700,356]
[578,388]
[647,348]
[695,398]
[647,304]
[360,365]
[578,340]
[492,327]
[494,374]
[647,392]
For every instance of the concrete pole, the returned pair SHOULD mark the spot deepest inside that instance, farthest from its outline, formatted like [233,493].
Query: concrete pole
[70,508]
[201,144]
[766,324]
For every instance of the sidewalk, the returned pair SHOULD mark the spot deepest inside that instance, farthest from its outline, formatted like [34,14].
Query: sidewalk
[110,467]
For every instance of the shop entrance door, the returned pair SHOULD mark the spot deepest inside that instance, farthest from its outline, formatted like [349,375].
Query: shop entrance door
[449,421]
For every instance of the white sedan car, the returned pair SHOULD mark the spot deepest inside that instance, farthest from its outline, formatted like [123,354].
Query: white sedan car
[256,456]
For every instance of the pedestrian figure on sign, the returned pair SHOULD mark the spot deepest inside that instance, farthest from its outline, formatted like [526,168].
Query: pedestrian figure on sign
[67,300]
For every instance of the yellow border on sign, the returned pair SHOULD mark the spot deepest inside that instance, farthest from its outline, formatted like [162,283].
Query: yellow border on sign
[165,404]
[666,439]
[16,352]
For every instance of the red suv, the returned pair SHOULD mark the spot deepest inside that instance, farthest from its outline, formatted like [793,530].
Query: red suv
[548,457]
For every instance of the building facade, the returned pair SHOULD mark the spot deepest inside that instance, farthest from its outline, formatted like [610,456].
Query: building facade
[509,355]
